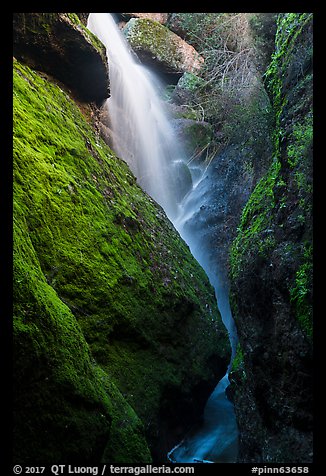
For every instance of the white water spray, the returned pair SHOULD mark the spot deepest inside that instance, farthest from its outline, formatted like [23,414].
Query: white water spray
[142,134]
[143,137]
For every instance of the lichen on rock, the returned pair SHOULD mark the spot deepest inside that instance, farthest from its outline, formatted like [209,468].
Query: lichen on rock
[156,44]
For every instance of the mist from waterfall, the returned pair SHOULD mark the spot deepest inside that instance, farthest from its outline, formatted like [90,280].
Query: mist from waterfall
[142,135]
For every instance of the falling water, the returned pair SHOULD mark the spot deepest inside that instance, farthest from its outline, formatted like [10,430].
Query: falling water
[216,440]
[142,135]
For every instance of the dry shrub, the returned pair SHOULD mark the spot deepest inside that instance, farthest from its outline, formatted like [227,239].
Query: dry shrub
[232,80]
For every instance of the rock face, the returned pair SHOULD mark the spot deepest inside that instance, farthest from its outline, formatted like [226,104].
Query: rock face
[60,45]
[271,270]
[157,45]
[117,338]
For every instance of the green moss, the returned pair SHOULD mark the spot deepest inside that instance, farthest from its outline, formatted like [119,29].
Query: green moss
[295,125]
[73,17]
[300,293]
[111,260]
[190,82]
[257,214]
[281,203]
[61,396]
[188,113]
[256,229]
[58,397]
[302,136]
[76,21]
[289,27]
[299,156]
[238,359]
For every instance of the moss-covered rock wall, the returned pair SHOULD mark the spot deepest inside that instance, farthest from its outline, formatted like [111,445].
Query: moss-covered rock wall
[271,269]
[117,337]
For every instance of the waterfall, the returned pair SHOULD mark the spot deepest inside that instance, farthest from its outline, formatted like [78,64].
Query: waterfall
[142,135]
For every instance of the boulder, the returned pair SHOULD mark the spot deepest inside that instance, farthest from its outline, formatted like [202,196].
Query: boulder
[186,88]
[117,337]
[159,17]
[156,44]
[59,45]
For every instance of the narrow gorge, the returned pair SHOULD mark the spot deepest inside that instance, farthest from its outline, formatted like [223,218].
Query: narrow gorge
[162,238]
